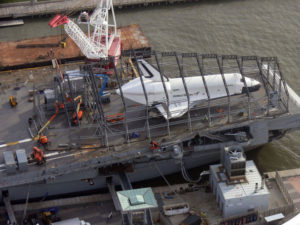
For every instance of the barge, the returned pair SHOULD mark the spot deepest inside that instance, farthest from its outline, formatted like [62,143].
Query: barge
[36,52]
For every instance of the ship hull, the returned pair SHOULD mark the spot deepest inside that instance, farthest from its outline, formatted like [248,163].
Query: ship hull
[77,183]
[147,166]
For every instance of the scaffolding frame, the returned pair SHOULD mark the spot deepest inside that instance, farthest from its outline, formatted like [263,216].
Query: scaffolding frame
[145,120]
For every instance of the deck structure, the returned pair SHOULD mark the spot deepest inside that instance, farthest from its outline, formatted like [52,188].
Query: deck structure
[116,136]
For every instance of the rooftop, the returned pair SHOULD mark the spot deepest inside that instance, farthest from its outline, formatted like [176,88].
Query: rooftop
[240,189]
[137,199]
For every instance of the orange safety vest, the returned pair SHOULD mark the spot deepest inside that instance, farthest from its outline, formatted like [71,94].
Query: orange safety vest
[154,145]
[43,139]
[38,154]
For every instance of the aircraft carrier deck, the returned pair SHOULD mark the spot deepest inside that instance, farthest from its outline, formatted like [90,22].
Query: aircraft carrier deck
[114,138]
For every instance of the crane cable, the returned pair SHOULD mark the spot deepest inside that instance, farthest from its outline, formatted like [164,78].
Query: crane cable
[165,179]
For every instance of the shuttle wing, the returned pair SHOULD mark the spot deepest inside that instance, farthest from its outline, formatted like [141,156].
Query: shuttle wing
[175,109]
[149,71]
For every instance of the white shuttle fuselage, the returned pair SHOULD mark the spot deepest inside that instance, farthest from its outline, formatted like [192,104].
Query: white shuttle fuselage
[178,101]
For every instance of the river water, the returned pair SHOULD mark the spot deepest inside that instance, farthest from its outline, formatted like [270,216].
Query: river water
[252,27]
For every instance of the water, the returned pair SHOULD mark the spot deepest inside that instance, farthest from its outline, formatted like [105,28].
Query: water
[252,27]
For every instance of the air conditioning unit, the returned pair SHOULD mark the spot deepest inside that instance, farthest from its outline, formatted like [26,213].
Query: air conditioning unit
[234,161]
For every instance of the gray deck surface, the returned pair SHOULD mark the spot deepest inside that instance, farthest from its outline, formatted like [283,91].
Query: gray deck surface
[14,126]
[95,208]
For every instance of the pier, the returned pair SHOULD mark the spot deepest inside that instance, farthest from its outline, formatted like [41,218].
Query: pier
[32,8]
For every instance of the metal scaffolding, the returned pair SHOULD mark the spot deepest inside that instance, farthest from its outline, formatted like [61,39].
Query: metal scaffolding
[124,121]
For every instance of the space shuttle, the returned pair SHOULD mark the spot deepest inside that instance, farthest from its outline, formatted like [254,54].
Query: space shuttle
[178,101]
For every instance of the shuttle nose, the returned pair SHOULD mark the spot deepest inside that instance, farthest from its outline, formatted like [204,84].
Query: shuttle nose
[252,84]
[133,90]
[255,82]
[255,87]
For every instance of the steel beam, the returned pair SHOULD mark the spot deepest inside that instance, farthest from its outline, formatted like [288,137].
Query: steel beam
[225,85]
[146,97]
[72,96]
[98,105]
[63,99]
[201,70]
[284,85]
[123,99]
[112,190]
[262,78]
[185,89]
[165,90]
[240,65]
[124,180]
[9,209]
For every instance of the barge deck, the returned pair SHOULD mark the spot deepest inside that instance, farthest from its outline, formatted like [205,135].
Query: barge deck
[36,52]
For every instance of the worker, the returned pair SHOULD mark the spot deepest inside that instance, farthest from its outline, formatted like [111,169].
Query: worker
[220,111]
[38,155]
[43,140]
[134,135]
[13,101]
[154,145]
[80,113]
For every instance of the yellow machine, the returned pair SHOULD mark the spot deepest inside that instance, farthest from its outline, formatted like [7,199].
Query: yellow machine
[13,101]
[63,44]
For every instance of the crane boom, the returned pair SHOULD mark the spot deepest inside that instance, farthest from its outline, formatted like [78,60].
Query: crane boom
[98,44]
[88,48]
